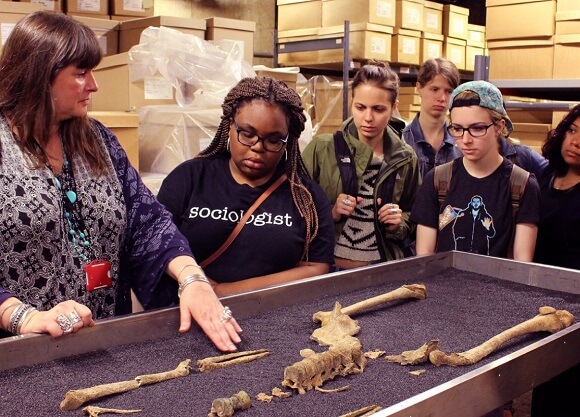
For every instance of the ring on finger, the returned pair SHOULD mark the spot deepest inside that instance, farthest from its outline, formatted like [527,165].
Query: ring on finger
[226,314]
[394,210]
[346,201]
[64,323]
[74,317]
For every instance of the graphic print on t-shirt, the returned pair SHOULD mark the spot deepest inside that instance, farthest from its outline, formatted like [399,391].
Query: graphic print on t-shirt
[472,226]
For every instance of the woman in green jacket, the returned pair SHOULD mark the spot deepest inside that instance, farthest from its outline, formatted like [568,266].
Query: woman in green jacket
[369,174]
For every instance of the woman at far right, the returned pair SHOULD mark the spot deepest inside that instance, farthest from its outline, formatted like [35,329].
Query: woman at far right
[558,244]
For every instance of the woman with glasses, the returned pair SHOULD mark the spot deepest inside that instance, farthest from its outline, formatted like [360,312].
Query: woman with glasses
[290,234]
[476,214]
[369,174]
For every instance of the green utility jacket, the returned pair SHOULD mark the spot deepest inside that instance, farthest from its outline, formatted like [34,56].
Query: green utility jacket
[320,159]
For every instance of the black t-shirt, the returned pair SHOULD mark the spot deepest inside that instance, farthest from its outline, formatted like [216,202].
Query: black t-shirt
[476,215]
[207,203]
[559,229]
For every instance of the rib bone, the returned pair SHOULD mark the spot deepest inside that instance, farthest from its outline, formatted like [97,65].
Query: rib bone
[223,361]
[549,320]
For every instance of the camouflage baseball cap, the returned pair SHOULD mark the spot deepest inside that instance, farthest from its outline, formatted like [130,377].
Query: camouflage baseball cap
[489,97]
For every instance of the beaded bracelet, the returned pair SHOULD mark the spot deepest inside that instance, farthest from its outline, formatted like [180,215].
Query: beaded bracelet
[189,279]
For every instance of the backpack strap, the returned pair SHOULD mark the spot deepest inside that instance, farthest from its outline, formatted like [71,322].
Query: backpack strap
[518,180]
[345,161]
[442,179]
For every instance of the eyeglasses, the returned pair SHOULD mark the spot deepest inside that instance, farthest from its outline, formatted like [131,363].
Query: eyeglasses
[250,139]
[475,131]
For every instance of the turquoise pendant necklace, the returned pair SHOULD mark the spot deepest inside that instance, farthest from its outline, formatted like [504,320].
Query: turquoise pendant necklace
[77,231]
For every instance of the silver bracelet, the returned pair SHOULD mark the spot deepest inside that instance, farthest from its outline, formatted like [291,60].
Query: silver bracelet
[187,266]
[189,279]
[16,316]
[29,310]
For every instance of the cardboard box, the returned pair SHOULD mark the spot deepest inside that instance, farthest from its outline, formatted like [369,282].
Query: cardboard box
[433,17]
[476,35]
[242,31]
[328,102]
[410,14]
[531,134]
[297,58]
[407,99]
[409,111]
[335,12]
[568,5]
[454,51]
[455,21]
[521,59]
[10,14]
[288,75]
[470,53]
[50,5]
[118,93]
[99,7]
[431,46]
[169,135]
[568,23]
[106,31]
[534,20]
[406,46]
[131,8]
[130,30]
[327,126]
[299,14]
[366,41]
[528,115]
[566,56]
[125,126]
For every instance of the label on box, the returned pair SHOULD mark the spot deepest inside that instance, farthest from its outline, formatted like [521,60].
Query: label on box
[133,5]
[103,42]
[458,25]
[378,45]
[432,21]
[46,4]
[456,56]
[409,47]
[89,5]
[413,16]
[433,50]
[384,9]
[475,36]
[157,88]
[5,30]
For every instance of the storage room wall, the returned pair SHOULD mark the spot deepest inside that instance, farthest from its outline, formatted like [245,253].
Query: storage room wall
[260,11]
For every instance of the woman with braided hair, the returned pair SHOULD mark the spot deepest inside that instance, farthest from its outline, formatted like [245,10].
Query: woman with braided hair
[290,234]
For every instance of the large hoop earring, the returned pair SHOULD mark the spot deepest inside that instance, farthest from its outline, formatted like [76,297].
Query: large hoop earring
[286,154]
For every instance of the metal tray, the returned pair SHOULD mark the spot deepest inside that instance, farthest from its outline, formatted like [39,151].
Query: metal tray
[510,375]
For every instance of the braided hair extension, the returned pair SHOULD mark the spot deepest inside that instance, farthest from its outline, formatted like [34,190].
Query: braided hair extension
[276,92]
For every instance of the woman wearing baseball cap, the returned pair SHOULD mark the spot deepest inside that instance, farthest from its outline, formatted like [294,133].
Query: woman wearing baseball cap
[474,213]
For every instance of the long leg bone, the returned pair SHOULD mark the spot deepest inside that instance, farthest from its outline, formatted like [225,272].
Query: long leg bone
[369,410]
[75,398]
[223,361]
[549,320]
[417,291]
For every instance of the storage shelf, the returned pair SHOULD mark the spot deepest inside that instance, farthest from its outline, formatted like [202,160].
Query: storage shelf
[549,89]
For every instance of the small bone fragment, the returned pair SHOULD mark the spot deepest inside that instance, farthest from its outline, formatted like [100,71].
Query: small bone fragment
[406,291]
[226,407]
[73,399]
[277,392]
[363,412]
[417,372]
[265,398]
[330,391]
[94,411]
[413,357]
[223,361]
[548,320]
[374,354]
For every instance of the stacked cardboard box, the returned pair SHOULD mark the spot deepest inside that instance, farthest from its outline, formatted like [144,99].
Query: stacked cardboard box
[524,50]
[432,37]
[10,14]
[567,39]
